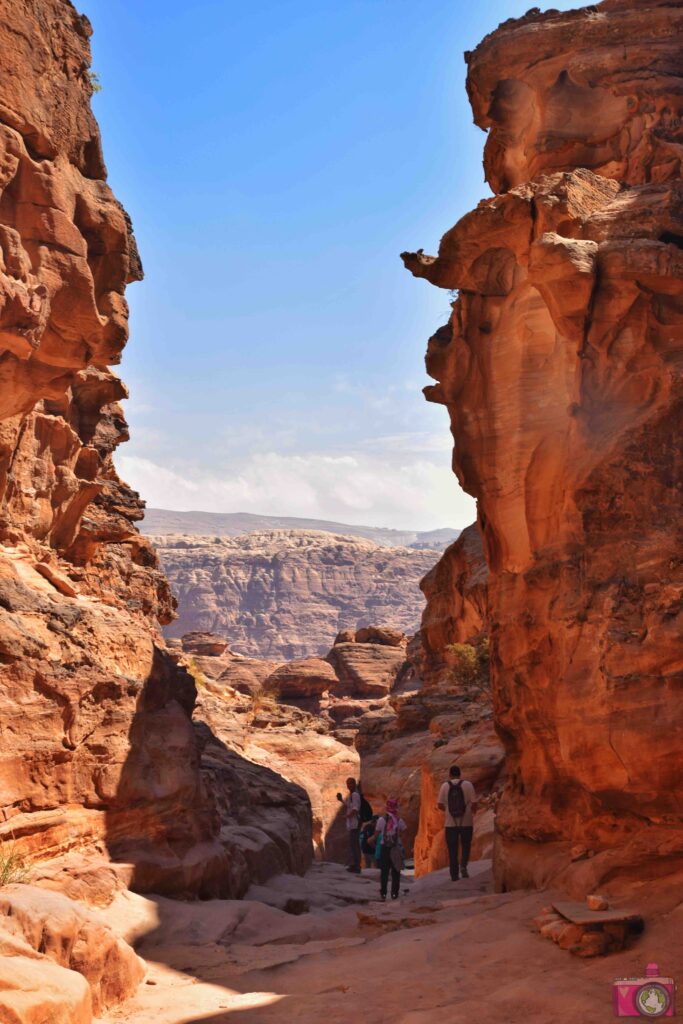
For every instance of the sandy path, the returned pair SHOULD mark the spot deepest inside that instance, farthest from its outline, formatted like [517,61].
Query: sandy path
[444,952]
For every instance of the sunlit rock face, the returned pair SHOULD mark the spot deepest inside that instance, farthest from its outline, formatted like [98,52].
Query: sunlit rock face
[98,750]
[286,594]
[561,371]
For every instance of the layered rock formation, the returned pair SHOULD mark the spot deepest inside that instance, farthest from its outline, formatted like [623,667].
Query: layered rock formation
[300,719]
[99,756]
[560,367]
[286,593]
[99,748]
[365,711]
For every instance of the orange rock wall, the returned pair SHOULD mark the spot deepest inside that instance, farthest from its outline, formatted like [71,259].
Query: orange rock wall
[99,754]
[455,610]
[561,370]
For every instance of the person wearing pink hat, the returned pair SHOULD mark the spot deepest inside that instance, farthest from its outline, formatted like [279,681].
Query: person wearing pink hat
[388,831]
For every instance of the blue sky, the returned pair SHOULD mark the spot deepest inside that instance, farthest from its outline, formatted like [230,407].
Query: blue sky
[275,158]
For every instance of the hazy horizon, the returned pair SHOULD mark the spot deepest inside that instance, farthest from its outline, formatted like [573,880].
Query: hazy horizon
[238,513]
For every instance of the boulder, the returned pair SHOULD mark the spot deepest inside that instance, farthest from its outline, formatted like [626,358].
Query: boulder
[384,635]
[207,645]
[366,670]
[74,938]
[305,677]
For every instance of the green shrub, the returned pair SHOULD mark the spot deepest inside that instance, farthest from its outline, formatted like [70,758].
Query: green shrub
[471,664]
[12,865]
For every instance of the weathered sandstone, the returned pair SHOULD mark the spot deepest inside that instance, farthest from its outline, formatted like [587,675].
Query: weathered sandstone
[561,371]
[380,724]
[366,670]
[455,611]
[287,593]
[103,776]
[99,746]
[304,677]
[66,934]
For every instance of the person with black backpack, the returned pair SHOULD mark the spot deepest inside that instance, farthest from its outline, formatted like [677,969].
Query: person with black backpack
[356,811]
[459,801]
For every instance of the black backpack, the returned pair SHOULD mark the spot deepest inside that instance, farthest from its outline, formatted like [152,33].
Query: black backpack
[456,799]
[365,813]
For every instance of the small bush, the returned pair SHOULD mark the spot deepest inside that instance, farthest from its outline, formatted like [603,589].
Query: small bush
[265,698]
[471,665]
[94,80]
[12,865]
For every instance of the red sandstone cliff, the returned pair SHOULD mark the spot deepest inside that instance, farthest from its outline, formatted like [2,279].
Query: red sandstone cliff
[561,370]
[99,752]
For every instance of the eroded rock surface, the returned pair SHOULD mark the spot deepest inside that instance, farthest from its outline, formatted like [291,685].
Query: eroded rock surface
[98,744]
[442,713]
[287,593]
[102,781]
[561,370]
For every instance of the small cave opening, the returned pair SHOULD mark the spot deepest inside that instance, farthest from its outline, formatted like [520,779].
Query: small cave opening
[671,238]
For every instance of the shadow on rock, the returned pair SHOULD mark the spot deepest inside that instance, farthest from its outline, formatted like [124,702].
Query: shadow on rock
[190,817]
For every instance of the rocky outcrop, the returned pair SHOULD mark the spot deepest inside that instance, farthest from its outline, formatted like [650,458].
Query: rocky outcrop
[287,593]
[439,712]
[98,746]
[377,723]
[273,755]
[304,677]
[105,781]
[455,610]
[366,670]
[100,758]
[560,367]
[45,929]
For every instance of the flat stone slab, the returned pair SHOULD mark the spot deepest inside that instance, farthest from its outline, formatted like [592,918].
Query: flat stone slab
[578,913]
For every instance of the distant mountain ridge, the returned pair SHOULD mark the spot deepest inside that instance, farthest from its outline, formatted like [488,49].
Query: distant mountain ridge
[161,522]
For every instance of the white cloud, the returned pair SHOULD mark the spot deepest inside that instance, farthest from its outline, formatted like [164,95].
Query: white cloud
[361,488]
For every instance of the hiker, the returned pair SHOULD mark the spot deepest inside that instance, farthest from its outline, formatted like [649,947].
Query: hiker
[389,849]
[459,801]
[352,809]
[367,841]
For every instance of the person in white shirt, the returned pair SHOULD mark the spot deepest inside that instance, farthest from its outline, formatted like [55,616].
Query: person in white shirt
[458,800]
[352,817]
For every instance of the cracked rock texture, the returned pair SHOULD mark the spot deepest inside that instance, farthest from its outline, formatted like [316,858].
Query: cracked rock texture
[561,370]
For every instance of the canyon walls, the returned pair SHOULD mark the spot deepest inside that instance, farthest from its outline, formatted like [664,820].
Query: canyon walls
[561,371]
[99,757]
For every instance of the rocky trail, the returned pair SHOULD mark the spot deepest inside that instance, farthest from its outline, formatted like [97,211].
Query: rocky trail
[444,950]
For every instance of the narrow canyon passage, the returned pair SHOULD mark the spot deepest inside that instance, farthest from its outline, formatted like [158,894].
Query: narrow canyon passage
[171,845]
